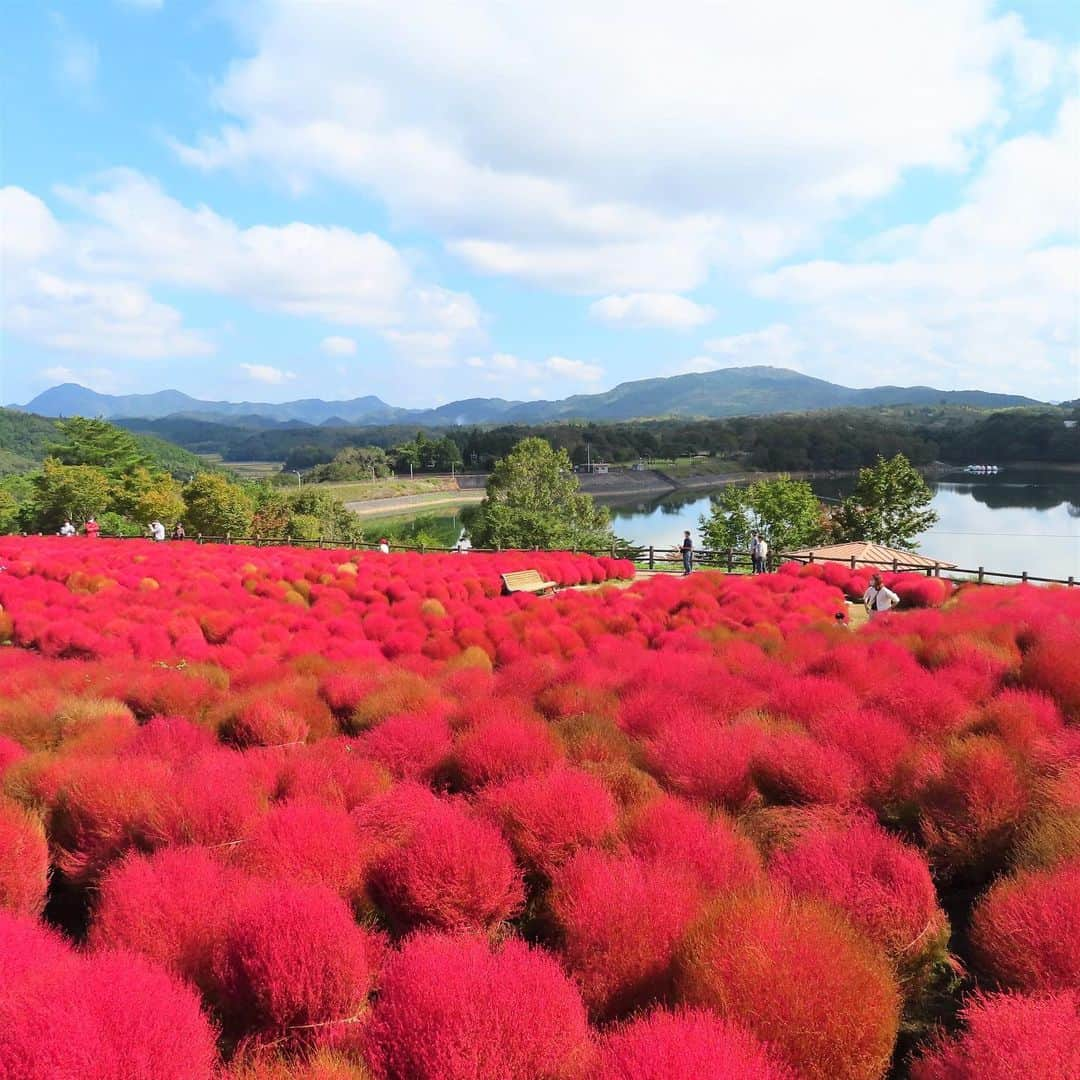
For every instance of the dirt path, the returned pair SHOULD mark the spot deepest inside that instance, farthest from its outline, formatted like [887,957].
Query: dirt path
[405,503]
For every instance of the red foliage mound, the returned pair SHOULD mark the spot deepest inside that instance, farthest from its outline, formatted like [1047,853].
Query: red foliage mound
[1050,665]
[173,907]
[1025,932]
[668,831]
[453,873]
[620,952]
[504,746]
[1010,1037]
[799,976]
[451,1008]
[549,817]
[292,956]
[882,885]
[97,1018]
[24,861]
[690,1044]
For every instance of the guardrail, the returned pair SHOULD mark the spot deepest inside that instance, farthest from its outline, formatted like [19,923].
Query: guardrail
[657,559]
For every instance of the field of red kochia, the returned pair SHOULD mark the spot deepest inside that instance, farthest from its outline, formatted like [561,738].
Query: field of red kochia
[276,813]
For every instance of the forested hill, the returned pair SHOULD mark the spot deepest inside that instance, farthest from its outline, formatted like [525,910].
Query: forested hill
[746,391]
[25,440]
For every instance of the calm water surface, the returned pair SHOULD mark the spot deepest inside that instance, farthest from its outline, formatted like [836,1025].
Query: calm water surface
[1021,519]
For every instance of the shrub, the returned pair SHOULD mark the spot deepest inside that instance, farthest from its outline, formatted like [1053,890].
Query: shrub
[172,907]
[291,956]
[1050,666]
[671,832]
[453,1008]
[452,873]
[882,885]
[1025,930]
[503,747]
[548,818]
[799,976]
[97,1018]
[969,814]
[24,861]
[689,1044]
[620,952]
[1009,1037]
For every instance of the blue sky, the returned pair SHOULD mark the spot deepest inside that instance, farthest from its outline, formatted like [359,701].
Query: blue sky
[270,200]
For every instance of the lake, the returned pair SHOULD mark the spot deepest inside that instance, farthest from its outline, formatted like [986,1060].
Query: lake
[1020,519]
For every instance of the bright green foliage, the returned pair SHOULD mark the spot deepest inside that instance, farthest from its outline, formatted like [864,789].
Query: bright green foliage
[272,510]
[9,511]
[353,463]
[73,492]
[97,442]
[432,455]
[534,499]
[785,511]
[216,507]
[143,496]
[888,506]
[334,521]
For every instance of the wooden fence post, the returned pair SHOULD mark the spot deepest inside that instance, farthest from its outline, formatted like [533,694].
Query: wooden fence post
[652,560]
[1023,578]
[852,562]
[228,538]
[981,575]
[730,560]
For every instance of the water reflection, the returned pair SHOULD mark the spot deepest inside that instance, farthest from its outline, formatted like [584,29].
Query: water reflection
[1015,521]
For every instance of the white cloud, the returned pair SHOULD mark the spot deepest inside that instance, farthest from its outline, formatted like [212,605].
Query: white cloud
[505,367]
[338,346]
[264,373]
[775,345]
[639,310]
[94,378]
[129,235]
[75,57]
[698,365]
[984,295]
[618,146]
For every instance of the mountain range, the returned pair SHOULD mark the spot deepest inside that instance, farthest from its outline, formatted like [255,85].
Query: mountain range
[745,391]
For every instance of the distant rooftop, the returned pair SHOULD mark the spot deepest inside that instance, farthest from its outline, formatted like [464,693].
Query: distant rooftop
[868,554]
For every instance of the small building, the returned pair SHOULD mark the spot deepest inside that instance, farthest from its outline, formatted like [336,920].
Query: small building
[593,467]
[864,553]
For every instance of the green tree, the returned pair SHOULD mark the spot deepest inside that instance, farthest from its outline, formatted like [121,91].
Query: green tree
[217,507]
[97,442]
[888,506]
[333,520]
[9,511]
[534,499]
[143,496]
[785,511]
[73,492]
[271,517]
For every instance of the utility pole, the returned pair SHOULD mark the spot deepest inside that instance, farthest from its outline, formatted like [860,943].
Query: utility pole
[299,482]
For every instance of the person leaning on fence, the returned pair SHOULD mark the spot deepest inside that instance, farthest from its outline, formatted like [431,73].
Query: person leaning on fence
[157,530]
[878,598]
[687,550]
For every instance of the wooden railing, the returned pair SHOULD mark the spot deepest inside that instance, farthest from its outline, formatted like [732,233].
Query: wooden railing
[659,559]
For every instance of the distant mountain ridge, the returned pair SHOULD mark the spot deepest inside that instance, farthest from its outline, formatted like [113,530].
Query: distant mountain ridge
[746,391]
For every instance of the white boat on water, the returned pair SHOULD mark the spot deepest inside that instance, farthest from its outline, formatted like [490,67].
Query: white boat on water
[981,470]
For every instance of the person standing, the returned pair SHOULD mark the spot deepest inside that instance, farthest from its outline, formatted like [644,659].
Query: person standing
[687,550]
[755,554]
[67,529]
[178,531]
[92,528]
[157,530]
[762,555]
[878,598]
[464,544]
[384,546]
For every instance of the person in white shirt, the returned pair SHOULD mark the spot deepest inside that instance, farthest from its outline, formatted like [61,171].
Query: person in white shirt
[67,529]
[878,598]
[762,554]
[384,546]
[157,530]
[464,544]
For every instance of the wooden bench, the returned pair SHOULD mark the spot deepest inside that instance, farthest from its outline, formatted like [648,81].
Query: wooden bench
[527,581]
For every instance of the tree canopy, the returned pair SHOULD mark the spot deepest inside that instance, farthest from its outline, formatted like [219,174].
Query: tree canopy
[888,506]
[785,511]
[534,500]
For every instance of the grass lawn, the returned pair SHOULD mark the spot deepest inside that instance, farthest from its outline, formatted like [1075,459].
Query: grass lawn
[393,487]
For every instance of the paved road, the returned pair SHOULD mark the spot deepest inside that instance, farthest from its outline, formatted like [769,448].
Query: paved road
[405,503]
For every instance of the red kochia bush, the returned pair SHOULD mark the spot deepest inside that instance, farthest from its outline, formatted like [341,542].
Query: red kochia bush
[452,1008]
[1050,665]
[502,747]
[798,975]
[690,1044]
[454,873]
[547,818]
[671,832]
[291,956]
[24,861]
[97,1018]
[1009,1037]
[1025,932]
[881,884]
[172,906]
[619,919]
